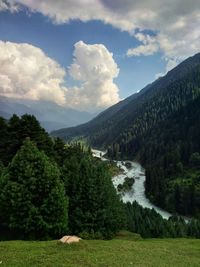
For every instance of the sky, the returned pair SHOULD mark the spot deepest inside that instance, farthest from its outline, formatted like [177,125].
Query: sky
[90,54]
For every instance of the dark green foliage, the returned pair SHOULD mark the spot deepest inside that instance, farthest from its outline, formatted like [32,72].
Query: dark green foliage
[2,168]
[94,207]
[148,223]
[16,130]
[127,185]
[32,198]
[170,154]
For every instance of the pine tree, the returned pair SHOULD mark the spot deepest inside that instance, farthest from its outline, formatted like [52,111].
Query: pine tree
[94,207]
[33,204]
[16,131]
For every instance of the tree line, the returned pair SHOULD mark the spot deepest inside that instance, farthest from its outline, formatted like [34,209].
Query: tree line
[49,188]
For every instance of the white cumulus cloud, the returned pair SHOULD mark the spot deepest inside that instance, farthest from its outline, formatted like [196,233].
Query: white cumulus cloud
[95,68]
[174,22]
[26,72]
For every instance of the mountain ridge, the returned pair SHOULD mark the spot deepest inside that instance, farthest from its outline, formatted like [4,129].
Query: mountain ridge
[157,128]
[113,115]
[51,115]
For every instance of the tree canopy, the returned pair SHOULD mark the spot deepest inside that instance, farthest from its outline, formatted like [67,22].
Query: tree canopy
[32,197]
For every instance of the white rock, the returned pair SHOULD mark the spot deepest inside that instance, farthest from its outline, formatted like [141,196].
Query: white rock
[68,239]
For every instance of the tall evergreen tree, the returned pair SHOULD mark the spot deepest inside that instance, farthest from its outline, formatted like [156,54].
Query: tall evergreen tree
[32,198]
[94,207]
[16,130]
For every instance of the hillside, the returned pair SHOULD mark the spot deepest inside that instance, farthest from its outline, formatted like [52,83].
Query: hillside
[171,156]
[135,115]
[160,127]
[104,120]
[93,253]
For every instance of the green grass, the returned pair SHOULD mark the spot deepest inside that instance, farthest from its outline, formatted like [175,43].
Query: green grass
[116,252]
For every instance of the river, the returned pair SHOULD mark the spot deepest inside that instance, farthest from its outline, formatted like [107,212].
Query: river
[137,192]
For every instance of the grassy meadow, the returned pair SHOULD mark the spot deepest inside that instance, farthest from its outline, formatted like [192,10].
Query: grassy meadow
[124,251]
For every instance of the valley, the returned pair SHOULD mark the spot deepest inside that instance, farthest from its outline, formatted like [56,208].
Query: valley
[159,128]
[137,192]
[100,133]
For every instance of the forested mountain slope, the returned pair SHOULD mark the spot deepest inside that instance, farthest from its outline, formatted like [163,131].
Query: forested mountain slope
[160,127]
[171,154]
[134,116]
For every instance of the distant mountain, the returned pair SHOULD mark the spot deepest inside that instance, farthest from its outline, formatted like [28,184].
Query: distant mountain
[160,127]
[99,122]
[51,115]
